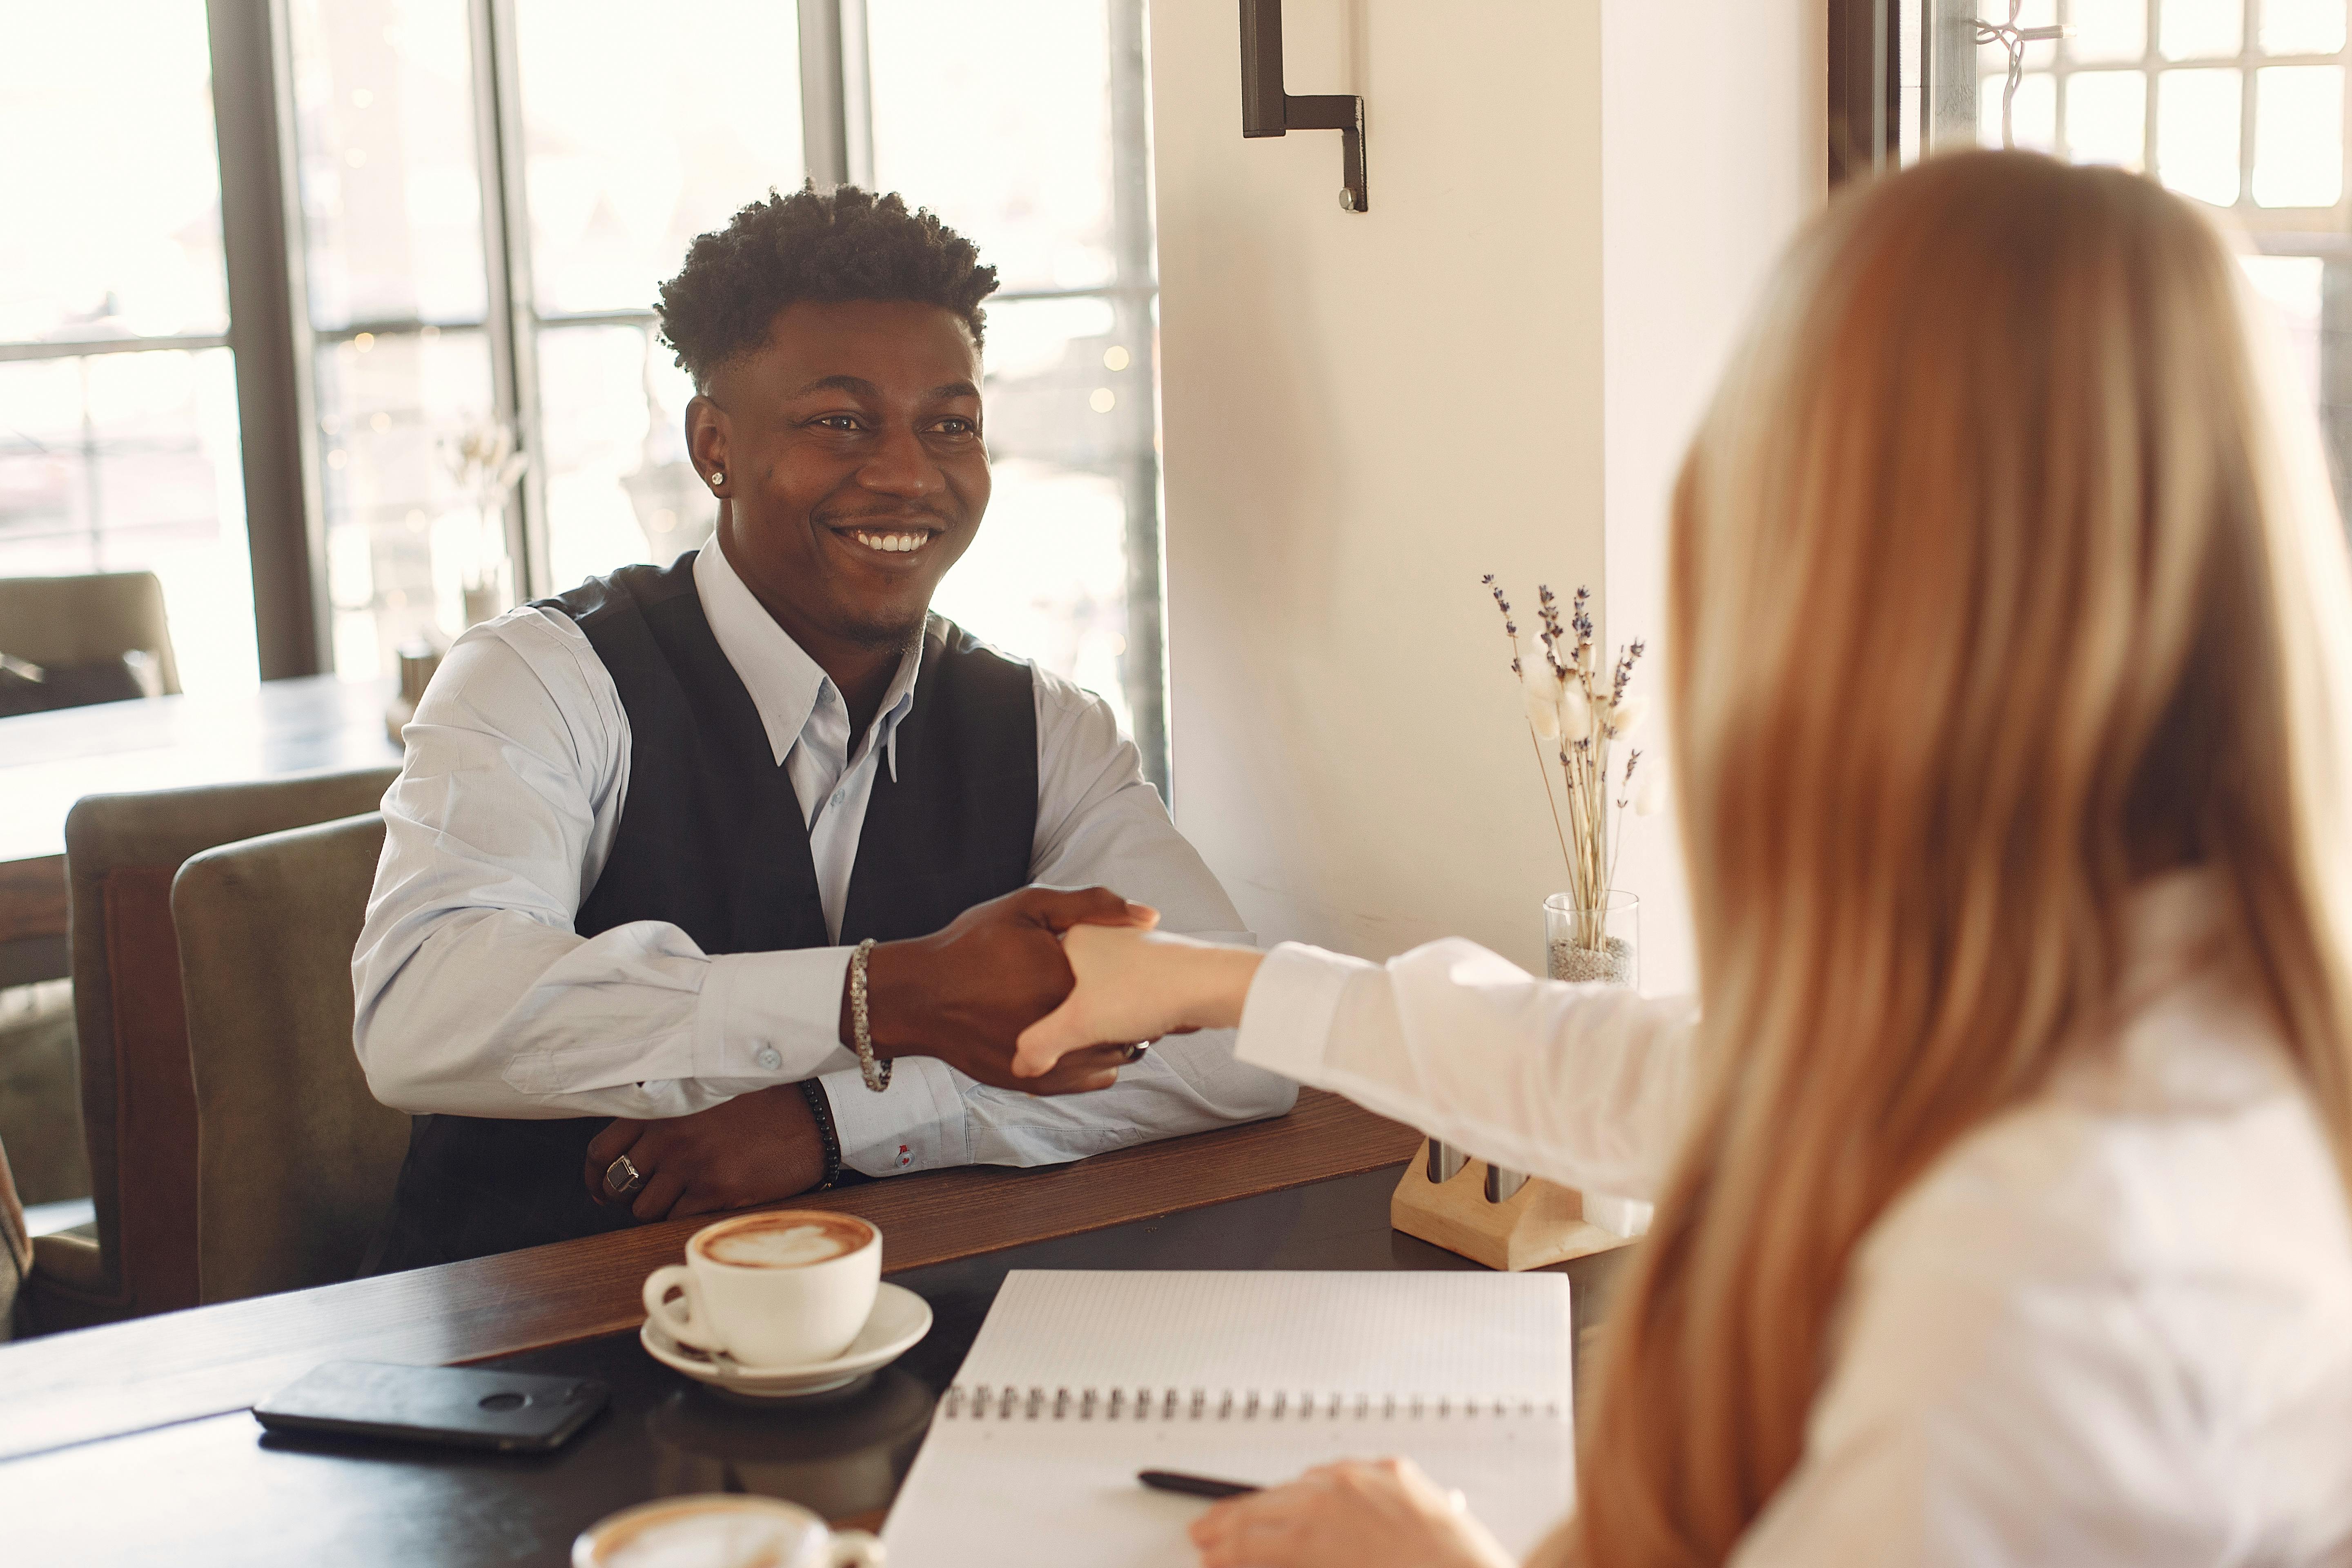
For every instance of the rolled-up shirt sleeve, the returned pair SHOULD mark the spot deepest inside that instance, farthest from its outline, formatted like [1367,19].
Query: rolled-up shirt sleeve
[474,995]
[1585,1085]
[1099,823]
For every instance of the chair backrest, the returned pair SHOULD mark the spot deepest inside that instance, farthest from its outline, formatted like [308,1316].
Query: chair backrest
[139,1110]
[16,1244]
[295,1158]
[81,620]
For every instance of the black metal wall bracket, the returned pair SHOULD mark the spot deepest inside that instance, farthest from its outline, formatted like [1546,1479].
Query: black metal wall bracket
[1267,111]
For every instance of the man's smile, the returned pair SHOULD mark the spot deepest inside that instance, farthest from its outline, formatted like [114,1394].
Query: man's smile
[907,538]
[891,541]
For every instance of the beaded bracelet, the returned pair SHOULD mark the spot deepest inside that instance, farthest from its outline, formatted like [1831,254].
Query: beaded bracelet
[822,1109]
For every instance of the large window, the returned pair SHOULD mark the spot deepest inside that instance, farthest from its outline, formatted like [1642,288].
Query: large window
[2238,104]
[117,395]
[458,245]
[491,197]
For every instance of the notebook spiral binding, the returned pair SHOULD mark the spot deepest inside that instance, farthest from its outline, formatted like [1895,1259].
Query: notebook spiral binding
[1008,1402]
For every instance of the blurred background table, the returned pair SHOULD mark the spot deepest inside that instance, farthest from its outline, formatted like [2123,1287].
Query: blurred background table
[49,760]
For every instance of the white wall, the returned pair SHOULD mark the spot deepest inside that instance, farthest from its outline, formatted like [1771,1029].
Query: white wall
[1490,371]
[1714,149]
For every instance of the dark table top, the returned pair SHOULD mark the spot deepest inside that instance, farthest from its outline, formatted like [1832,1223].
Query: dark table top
[219,1490]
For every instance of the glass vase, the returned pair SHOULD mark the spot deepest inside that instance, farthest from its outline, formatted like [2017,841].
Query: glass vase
[1594,943]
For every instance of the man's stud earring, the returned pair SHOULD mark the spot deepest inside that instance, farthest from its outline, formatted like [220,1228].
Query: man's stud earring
[717,480]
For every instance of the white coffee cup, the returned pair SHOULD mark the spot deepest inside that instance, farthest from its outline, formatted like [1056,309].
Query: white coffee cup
[720,1529]
[789,1288]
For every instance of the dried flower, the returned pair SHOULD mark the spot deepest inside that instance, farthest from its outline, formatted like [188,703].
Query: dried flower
[1575,713]
[1581,707]
[1625,716]
[483,460]
[1510,627]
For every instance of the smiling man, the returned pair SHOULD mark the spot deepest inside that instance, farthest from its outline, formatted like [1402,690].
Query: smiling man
[704,884]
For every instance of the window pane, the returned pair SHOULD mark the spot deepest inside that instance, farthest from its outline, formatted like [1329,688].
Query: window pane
[2302,27]
[391,200]
[619,487]
[633,151]
[401,535]
[128,462]
[2299,136]
[998,118]
[107,110]
[2291,286]
[2106,118]
[2109,30]
[2201,29]
[2197,133]
[2035,111]
[1046,577]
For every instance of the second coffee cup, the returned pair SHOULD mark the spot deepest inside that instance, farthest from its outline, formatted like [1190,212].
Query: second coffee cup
[789,1288]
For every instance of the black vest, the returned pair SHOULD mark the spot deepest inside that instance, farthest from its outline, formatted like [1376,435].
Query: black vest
[711,839]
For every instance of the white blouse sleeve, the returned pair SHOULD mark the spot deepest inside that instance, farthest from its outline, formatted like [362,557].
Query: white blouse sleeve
[1585,1085]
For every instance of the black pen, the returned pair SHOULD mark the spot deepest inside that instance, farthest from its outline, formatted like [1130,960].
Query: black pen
[1193,1486]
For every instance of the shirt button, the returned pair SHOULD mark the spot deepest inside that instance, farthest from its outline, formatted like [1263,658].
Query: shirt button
[839,796]
[768,1058]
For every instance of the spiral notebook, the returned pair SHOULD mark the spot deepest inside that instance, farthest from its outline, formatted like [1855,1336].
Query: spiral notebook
[1081,1378]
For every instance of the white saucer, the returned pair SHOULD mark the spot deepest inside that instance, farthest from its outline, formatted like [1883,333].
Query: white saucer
[899,1318]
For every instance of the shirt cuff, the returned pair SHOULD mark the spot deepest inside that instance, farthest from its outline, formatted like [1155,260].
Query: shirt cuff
[1286,1017]
[771,1017]
[915,1124]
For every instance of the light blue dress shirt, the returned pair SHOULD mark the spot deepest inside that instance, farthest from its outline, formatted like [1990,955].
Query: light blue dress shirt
[476,997]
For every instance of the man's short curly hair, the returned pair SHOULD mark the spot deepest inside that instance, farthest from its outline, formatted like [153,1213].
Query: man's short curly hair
[844,243]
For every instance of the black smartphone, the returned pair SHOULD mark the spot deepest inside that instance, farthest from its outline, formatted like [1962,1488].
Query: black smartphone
[471,1409]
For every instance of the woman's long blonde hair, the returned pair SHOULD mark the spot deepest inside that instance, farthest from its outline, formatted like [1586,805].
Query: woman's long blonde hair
[2003,576]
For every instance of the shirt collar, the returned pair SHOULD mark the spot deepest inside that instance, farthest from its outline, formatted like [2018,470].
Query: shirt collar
[785,682]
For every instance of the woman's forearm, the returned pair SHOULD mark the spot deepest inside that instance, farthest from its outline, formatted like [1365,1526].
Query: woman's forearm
[1586,1085]
[1213,980]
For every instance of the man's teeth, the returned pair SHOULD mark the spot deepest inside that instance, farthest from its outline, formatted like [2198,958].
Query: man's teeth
[895,543]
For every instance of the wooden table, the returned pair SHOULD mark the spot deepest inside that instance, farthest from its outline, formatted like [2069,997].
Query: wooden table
[49,760]
[133,1444]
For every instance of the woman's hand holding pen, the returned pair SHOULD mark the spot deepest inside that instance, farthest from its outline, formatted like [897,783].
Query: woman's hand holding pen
[1351,1515]
[1136,984]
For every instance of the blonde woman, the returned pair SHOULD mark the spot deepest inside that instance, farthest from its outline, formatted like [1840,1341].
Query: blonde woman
[2001,1182]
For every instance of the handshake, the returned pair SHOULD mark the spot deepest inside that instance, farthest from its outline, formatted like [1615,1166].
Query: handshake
[1042,990]
[1047,991]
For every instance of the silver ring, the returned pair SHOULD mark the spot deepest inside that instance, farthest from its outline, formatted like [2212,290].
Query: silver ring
[1135,1053]
[622,1177]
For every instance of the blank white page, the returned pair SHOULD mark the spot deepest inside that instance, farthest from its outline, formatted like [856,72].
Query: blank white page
[1466,1373]
[1478,1335]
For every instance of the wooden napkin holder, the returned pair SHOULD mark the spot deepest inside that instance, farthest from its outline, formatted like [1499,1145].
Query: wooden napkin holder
[1537,1225]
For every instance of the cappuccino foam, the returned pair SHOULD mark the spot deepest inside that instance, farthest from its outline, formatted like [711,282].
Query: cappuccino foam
[794,1243]
[699,1537]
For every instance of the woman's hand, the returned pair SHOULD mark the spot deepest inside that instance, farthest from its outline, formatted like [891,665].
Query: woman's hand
[1352,1515]
[1134,986]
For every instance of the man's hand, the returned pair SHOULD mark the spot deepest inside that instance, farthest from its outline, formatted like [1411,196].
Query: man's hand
[757,1148]
[965,992]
